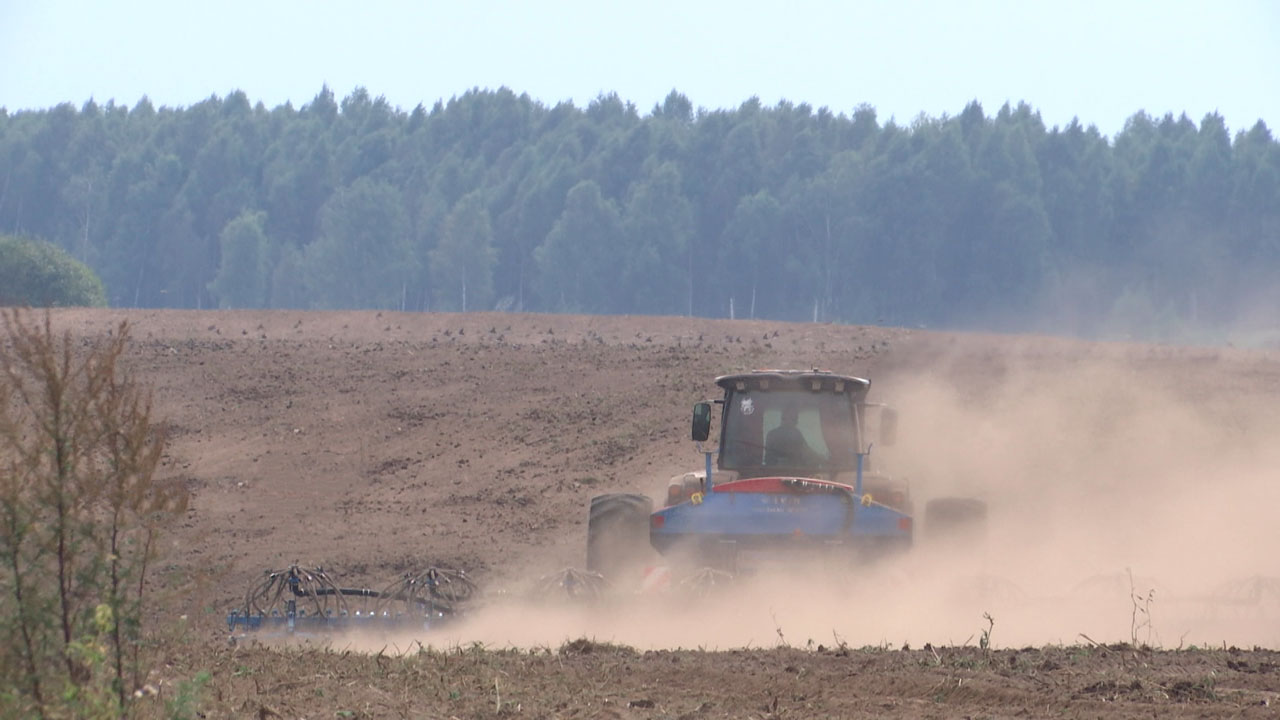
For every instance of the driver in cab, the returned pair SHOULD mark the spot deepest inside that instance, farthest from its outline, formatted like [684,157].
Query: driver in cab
[785,445]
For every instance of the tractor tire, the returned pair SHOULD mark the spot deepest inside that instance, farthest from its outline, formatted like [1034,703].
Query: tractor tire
[618,536]
[962,521]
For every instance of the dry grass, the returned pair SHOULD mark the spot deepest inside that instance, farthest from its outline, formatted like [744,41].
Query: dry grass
[584,679]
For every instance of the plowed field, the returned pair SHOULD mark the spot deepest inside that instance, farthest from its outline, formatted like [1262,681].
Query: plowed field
[1130,566]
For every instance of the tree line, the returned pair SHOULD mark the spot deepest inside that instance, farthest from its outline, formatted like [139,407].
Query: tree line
[493,200]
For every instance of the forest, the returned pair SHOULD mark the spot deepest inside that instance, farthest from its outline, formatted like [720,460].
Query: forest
[1169,230]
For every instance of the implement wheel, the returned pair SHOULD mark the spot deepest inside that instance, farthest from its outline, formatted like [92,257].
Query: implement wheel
[618,535]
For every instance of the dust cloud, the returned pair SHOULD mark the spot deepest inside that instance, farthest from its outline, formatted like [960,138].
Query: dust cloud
[1128,501]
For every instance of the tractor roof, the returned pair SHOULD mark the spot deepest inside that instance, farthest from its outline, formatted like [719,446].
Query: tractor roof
[794,379]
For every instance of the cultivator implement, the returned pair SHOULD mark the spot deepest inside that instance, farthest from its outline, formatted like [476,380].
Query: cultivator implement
[572,585]
[300,600]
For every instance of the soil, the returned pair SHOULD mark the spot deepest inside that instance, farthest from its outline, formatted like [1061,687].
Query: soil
[1130,487]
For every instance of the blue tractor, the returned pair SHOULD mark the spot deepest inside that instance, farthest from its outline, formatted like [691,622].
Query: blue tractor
[792,474]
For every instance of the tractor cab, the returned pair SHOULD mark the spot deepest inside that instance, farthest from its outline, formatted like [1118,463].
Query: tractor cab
[794,423]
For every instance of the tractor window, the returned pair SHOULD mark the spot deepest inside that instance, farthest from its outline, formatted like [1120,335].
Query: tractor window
[756,433]
[808,422]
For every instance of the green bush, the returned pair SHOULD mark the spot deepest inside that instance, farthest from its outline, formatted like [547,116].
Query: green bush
[40,274]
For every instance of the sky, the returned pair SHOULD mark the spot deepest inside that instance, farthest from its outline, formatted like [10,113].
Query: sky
[1100,62]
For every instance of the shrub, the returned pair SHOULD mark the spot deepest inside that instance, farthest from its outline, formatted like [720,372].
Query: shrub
[40,274]
[80,508]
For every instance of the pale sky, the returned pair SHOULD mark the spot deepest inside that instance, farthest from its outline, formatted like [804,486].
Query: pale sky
[1099,61]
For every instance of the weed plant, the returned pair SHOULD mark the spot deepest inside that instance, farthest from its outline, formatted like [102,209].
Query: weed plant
[80,511]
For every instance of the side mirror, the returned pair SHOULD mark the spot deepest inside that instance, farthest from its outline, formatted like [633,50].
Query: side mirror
[701,421]
[888,426]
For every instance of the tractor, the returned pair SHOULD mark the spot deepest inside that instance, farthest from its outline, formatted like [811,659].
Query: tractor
[792,478]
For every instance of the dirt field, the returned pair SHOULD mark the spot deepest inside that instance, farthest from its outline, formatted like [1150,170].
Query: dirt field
[1132,491]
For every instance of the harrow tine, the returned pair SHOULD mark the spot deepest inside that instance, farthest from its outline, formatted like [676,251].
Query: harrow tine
[417,598]
[704,581]
[397,591]
[255,593]
[436,590]
[278,584]
[573,584]
[321,578]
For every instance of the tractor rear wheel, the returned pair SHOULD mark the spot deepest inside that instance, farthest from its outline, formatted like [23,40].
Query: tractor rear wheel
[618,535]
[955,520]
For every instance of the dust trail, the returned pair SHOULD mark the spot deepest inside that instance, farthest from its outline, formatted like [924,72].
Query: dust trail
[1124,505]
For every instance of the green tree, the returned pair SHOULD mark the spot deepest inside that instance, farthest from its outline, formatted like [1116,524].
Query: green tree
[657,272]
[141,188]
[577,261]
[364,255]
[241,281]
[539,202]
[463,259]
[288,281]
[753,237]
[39,274]
[298,178]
